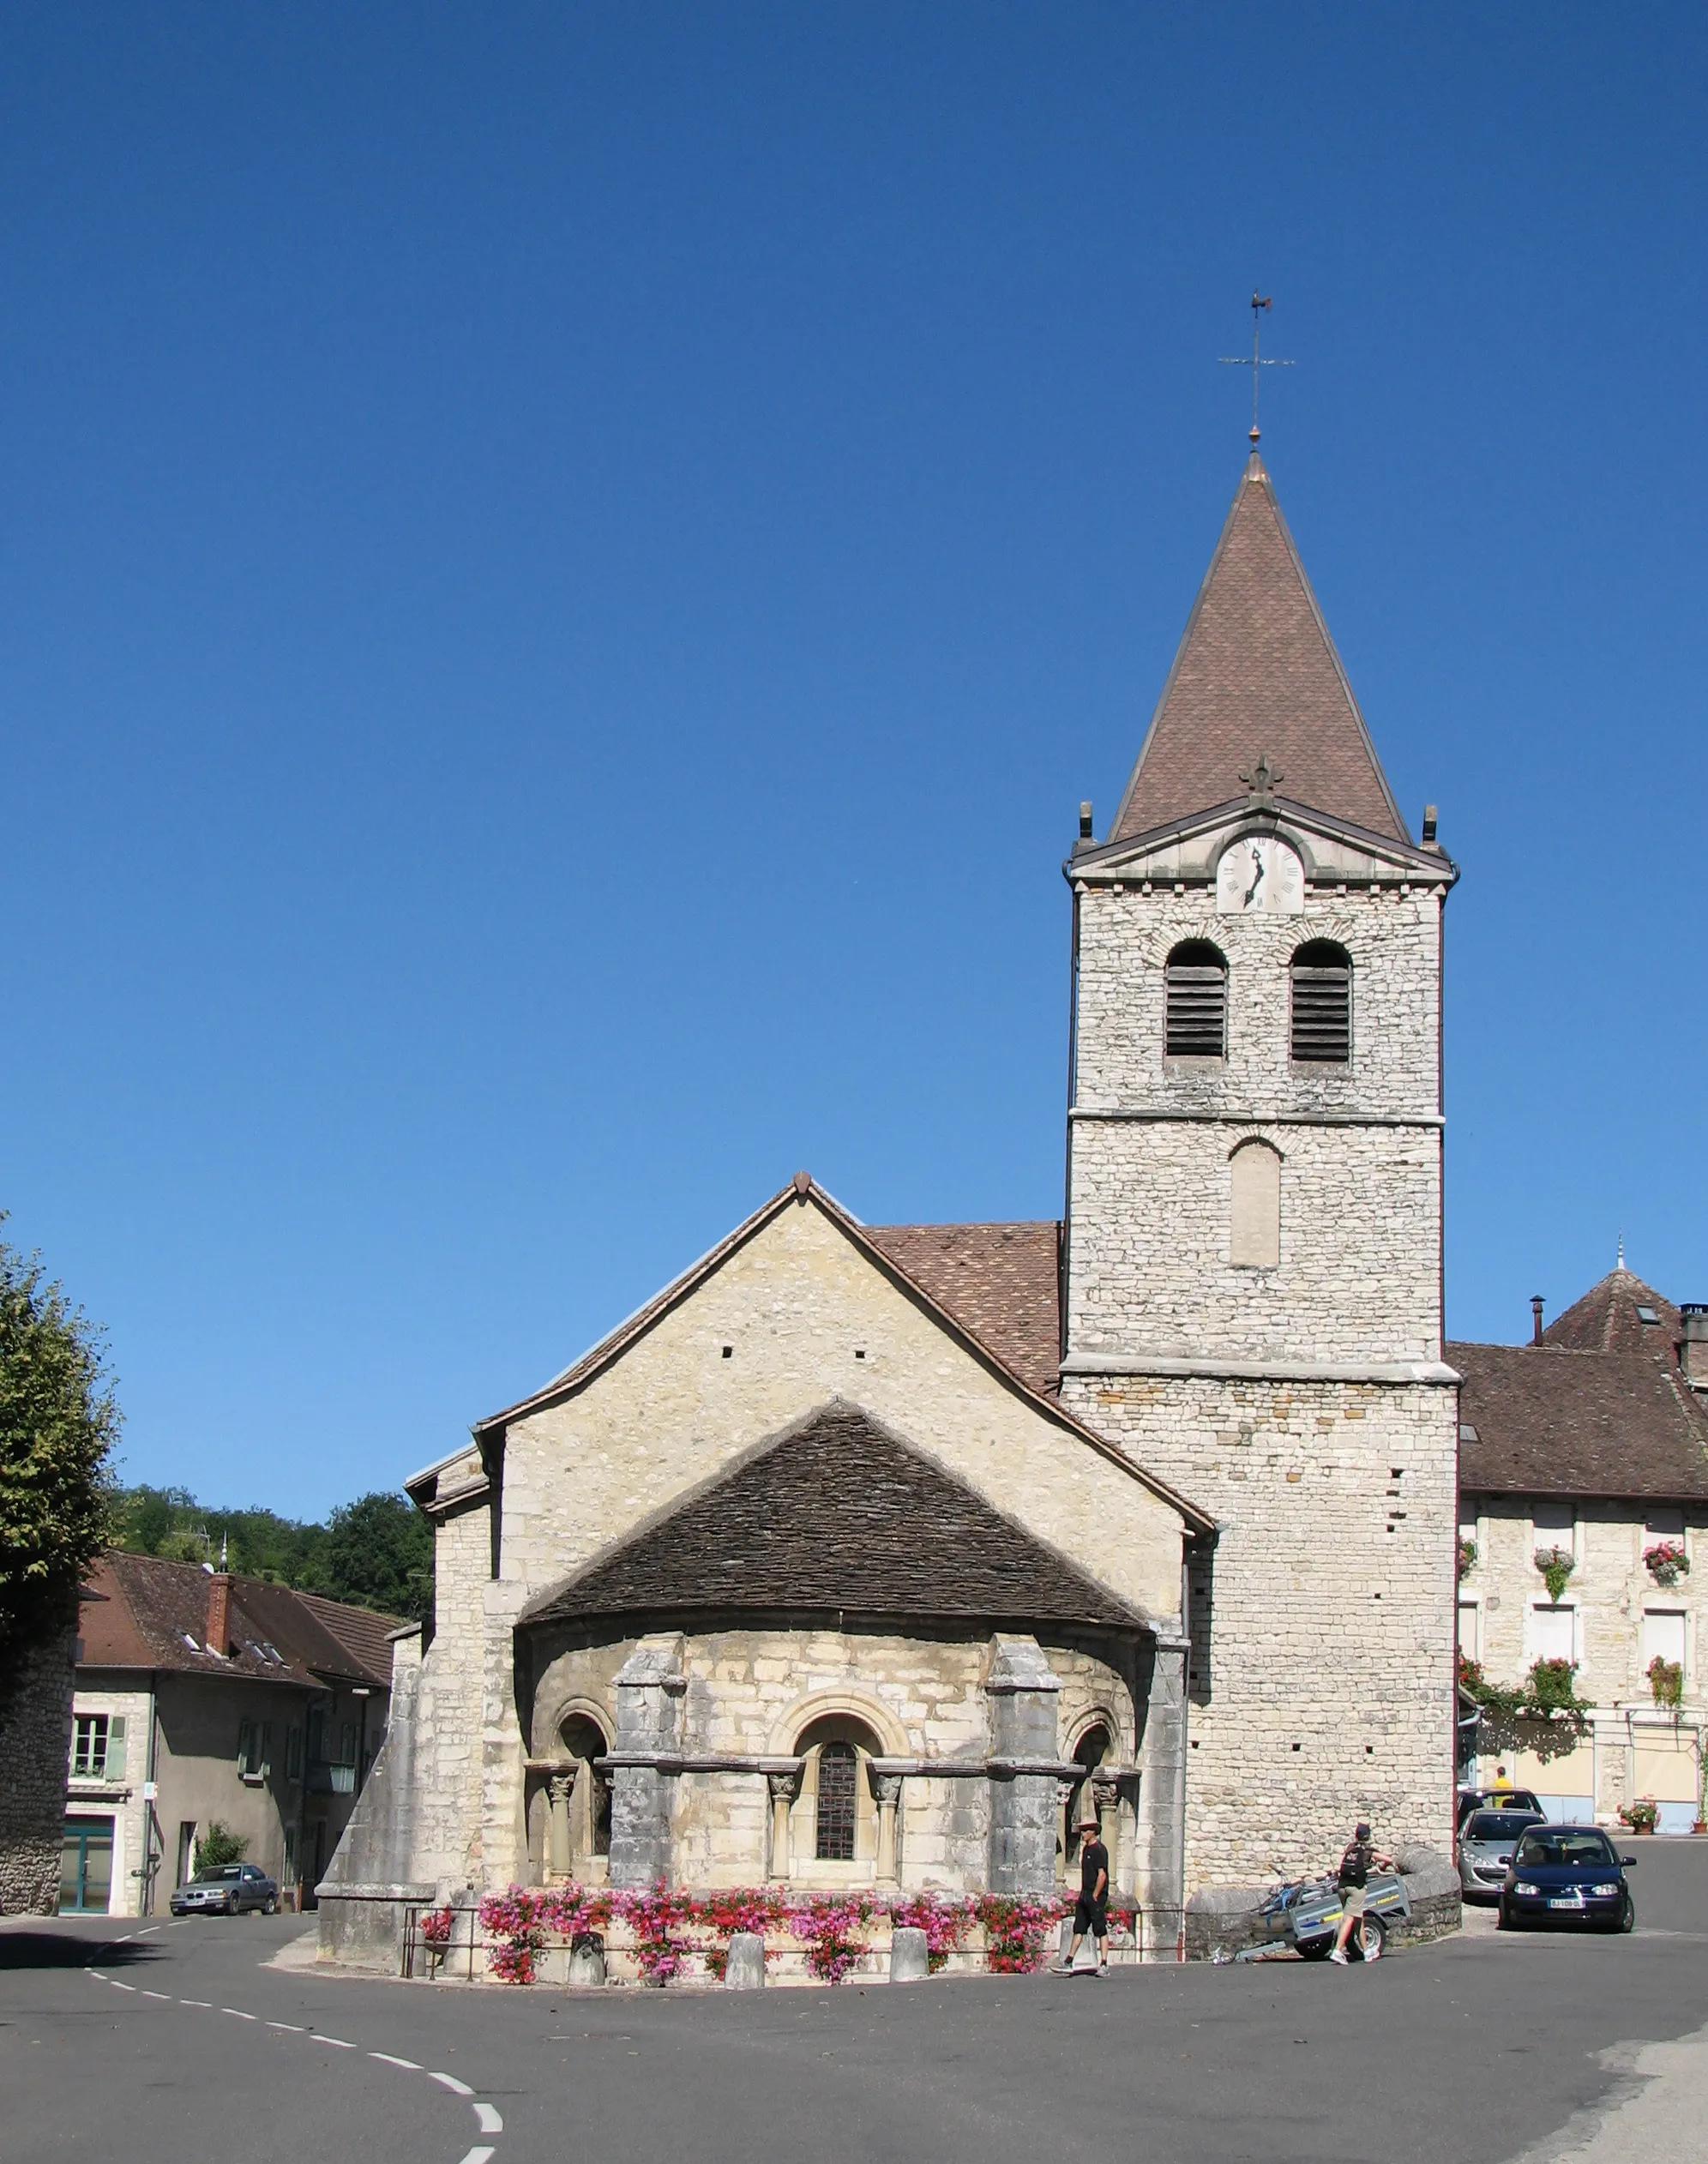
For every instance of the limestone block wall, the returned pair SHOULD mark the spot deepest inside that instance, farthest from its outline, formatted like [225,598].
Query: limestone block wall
[36,1746]
[449,1724]
[119,1795]
[1322,1658]
[753,1694]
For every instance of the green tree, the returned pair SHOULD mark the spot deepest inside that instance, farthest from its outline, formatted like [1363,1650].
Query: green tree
[379,1553]
[58,1424]
[220,1845]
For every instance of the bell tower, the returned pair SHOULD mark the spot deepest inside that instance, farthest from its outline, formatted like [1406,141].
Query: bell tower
[1252,1293]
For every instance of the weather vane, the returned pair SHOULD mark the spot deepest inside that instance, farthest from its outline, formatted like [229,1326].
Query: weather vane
[1259,303]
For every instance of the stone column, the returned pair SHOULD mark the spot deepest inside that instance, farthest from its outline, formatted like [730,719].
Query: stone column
[1064,1827]
[887,1788]
[649,1691]
[1023,1691]
[560,1852]
[784,1788]
[1159,1879]
[1107,1797]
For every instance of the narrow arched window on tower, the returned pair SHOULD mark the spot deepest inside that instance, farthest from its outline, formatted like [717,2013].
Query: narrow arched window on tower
[838,1767]
[1195,1018]
[1322,1004]
[1254,1207]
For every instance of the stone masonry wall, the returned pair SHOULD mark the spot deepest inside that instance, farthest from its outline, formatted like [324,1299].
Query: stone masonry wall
[1322,1624]
[35,1750]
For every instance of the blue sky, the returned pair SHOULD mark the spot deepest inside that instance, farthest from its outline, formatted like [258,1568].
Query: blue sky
[565,572]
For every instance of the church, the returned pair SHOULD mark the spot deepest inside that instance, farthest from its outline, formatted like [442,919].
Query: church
[875,1556]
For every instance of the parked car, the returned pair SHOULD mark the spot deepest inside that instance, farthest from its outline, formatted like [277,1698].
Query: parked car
[1566,1874]
[227,1890]
[1486,1842]
[1471,1799]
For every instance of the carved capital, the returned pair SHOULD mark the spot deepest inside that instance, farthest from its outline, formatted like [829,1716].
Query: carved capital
[887,1788]
[784,1786]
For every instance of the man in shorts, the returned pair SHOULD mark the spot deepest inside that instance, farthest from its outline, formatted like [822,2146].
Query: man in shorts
[1355,1874]
[1091,1911]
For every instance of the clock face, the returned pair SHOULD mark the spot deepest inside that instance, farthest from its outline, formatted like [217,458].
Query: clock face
[1259,875]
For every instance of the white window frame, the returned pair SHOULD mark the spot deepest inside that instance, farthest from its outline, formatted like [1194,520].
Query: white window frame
[1473,1651]
[1644,1655]
[87,1728]
[1533,1651]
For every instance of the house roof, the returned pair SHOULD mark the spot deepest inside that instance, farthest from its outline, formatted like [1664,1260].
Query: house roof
[1552,1420]
[144,1612]
[1002,1282]
[837,1513]
[991,1288]
[1257,671]
[1607,1319]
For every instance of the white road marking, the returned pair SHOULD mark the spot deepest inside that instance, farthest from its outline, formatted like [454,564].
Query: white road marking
[480,2156]
[102,1974]
[167,1995]
[238,2011]
[490,2123]
[207,2004]
[451,2083]
[318,2039]
[412,2065]
[295,2027]
[119,1986]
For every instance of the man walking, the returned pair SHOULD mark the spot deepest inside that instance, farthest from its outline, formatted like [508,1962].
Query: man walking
[1355,1874]
[1091,1911]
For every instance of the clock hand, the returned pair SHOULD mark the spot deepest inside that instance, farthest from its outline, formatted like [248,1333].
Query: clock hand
[1256,879]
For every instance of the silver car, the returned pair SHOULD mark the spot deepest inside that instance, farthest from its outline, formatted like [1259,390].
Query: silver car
[226,1890]
[1485,1848]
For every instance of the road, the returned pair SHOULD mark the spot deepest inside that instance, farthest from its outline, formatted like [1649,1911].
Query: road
[1472,2051]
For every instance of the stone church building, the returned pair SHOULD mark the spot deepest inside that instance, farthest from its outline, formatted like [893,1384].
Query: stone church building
[867,1555]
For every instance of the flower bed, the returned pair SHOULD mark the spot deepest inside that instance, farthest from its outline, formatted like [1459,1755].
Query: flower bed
[661,1938]
[1666,1562]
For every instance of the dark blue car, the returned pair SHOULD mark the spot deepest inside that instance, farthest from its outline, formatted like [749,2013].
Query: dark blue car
[1566,1875]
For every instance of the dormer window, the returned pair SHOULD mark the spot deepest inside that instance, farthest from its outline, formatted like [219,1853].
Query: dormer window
[1195,1024]
[1322,1004]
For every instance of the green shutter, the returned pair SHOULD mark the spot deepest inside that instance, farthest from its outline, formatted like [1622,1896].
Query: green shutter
[115,1749]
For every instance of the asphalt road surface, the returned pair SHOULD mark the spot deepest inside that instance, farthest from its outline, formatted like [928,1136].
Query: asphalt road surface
[185,2044]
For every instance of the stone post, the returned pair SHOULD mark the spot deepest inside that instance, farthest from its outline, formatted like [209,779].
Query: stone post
[784,1788]
[910,1955]
[745,1968]
[1023,1691]
[887,1787]
[561,1787]
[649,1690]
[1159,1879]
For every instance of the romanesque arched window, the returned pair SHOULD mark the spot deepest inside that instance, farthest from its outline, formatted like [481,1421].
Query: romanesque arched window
[583,1740]
[1195,1019]
[1254,1205]
[1322,1003]
[838,1771]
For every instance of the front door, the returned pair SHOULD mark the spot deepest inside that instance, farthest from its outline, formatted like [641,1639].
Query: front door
[86,1867]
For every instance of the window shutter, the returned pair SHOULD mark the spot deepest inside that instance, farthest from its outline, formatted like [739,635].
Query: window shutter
[1196,1015]
[264,1761]
[245,1745]
[1322,1005]
[115,1749]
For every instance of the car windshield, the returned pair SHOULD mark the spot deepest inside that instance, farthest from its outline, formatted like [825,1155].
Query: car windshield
[1564,1850]
[1499,1825]
[219,1875]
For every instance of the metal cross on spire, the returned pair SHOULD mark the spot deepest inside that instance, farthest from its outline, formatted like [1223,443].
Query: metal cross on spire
[1259,303]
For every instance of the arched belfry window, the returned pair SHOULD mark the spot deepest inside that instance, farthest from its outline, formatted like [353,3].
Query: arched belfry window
[1322,1004]
[838,1769]
[1195,1022]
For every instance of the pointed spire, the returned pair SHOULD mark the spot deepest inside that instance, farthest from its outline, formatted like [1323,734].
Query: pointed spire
[1257,675]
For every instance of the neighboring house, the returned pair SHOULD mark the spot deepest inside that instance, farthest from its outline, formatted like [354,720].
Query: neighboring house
[201,1695]
[1593,1440]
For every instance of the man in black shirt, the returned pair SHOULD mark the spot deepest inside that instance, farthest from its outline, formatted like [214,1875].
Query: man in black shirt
[1091,1911]
[1354,1876]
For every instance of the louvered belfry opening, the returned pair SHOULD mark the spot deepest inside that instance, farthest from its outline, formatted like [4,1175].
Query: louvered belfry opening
[1322,1004]
[1195,1026]
[837,1769]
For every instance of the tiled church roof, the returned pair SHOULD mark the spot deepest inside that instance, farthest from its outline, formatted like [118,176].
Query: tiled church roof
[1001,1281]
[837,1513]
[1607,1319]
[1257,672]
[1543,1420]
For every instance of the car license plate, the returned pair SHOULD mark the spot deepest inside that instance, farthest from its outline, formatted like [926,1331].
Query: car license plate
[1566,1901]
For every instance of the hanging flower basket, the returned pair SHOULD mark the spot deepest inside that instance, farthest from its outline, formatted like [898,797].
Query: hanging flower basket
[1467,1557]
[1666,1562]
[1666,1680]
[1556,1566]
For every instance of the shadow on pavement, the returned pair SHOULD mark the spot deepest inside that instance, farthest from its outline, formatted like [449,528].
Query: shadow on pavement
[50,1949]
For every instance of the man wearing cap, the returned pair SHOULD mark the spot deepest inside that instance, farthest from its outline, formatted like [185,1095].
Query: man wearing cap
[1355,1873]
[1091,1911]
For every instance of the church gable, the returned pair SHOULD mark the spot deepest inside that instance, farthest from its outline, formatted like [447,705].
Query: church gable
[838,1514]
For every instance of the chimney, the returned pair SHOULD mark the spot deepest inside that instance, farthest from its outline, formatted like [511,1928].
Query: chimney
[1085,822]
[219,1612]
[1536,1318]
[1430,817]
[1693,1353]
